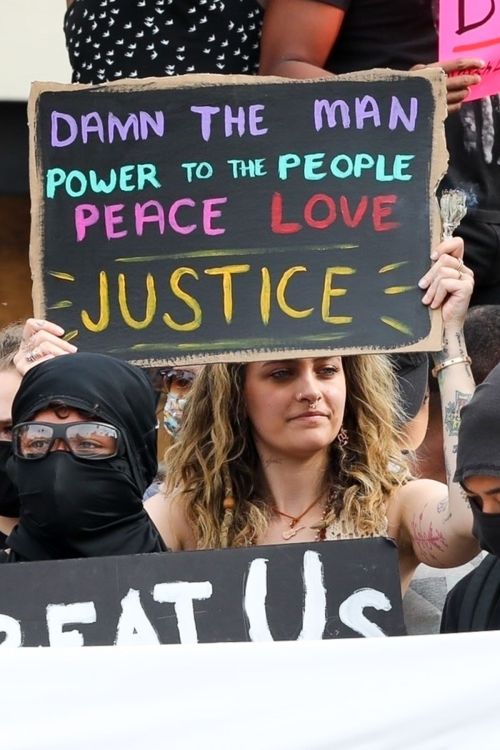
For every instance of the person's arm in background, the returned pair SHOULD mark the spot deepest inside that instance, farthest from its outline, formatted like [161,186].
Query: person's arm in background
[298,36]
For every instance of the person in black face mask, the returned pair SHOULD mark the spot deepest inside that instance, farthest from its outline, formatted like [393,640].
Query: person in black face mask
[10,380]
[474,603]
[83,445]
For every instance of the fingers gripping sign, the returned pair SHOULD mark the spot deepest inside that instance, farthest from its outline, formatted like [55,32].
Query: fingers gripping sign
[42,340]
[461,74]
[449,282]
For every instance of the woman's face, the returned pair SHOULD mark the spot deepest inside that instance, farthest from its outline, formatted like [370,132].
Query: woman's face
[177,385]
[295,406]
[179,380]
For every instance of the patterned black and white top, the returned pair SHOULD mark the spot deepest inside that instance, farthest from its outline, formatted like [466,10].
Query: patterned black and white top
[111,39]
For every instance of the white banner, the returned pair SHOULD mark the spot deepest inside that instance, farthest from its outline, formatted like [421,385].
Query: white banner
[421,692]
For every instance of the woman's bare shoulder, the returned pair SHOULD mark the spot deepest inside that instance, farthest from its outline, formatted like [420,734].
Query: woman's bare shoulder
[417,487]
[168,513]
[410,499]
[438,535]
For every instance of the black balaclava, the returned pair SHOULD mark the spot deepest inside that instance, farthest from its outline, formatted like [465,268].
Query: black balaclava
[479,453]
[9,500]
[71,507]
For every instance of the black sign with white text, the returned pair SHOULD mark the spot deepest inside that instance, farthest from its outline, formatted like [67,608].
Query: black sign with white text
[311,591]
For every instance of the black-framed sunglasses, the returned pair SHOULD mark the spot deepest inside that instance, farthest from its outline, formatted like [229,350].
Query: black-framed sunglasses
[92,440]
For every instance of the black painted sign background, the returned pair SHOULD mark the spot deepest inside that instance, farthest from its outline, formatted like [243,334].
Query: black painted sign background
[246,196]
[329,589]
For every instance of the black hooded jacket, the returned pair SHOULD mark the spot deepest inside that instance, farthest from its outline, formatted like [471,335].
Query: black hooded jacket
[74,507]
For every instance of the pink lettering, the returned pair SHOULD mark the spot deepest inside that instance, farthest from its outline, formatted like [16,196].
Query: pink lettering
[86,214]
[210,213]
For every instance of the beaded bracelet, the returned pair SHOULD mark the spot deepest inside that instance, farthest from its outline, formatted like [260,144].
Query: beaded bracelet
[448,362]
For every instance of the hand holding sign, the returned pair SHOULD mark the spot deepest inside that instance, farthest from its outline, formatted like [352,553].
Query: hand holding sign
[460,76]
[449,283]
[469,27]
[41,340]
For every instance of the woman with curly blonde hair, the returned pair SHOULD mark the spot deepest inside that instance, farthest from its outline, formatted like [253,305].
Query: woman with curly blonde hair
[305,449]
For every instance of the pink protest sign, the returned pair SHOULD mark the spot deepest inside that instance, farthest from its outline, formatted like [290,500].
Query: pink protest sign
[471,28]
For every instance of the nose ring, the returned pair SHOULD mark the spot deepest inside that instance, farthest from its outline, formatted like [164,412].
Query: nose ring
[311,400]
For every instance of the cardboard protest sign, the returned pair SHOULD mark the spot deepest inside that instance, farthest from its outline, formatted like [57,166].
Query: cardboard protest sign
[284,592]
[471,28]
[227,219]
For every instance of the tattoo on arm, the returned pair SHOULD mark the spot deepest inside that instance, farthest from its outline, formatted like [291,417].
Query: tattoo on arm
[452,413]
[461,343]
[428,539]
[442,507]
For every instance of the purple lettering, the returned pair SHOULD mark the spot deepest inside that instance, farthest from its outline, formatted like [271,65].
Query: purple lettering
[398,115]
[206,119]
[366,109]
[56,140]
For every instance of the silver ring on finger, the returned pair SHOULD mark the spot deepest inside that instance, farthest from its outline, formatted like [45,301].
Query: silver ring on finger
[28,345]
[32,356]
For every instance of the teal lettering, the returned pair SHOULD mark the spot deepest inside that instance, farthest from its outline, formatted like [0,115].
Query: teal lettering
[312,163]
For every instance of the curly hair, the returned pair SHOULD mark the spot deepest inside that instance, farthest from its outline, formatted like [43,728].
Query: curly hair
[215,456]
[10,340]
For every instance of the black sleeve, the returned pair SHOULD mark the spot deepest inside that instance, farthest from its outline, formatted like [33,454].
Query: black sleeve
[451,609]
[470,605]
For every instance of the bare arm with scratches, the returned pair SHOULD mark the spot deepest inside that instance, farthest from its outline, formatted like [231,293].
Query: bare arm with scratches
[437,519]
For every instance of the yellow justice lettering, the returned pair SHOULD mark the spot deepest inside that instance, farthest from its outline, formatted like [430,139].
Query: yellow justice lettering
[103,321]
[328,293]
[280,294]
[227,285]
[150,303]
[265,295]
[190,301]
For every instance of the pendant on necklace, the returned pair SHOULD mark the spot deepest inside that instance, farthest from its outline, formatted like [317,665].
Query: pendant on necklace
[291,532]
